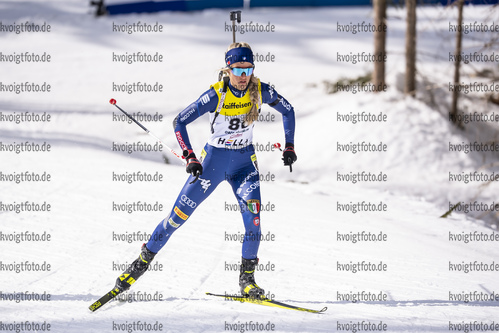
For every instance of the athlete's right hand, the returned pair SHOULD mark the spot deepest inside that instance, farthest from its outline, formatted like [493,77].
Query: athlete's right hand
[193,166]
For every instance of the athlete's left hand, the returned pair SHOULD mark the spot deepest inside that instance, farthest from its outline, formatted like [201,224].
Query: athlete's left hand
[289,155]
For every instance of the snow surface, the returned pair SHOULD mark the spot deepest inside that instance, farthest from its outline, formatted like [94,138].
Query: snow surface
[306,250]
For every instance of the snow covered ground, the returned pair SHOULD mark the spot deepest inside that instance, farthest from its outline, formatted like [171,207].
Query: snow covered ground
[429,265]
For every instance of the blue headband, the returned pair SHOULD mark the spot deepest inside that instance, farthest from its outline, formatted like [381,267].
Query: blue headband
[239,54]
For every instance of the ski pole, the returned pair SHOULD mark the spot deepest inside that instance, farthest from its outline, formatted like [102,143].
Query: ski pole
[113,102]
[278,146]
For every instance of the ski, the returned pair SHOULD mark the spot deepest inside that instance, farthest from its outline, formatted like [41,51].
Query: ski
[267,302]
[104,299]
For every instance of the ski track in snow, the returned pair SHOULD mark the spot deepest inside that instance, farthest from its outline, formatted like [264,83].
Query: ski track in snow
[306,252]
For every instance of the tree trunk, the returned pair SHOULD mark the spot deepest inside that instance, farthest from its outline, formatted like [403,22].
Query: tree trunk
[455,92]
[410,49]
[379,44]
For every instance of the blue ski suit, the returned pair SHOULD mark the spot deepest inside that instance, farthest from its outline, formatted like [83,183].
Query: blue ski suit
[228,155]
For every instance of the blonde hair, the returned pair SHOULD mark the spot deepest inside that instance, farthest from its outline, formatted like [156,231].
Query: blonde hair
[252,87]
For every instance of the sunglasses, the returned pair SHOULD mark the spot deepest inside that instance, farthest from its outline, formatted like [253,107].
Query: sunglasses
[239,71]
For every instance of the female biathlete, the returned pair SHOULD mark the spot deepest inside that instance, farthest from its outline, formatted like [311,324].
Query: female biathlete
[234,104]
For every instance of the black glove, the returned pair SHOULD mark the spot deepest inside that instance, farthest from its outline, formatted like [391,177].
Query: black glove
[193,166]
[289,155]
